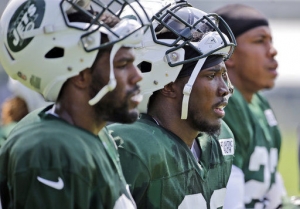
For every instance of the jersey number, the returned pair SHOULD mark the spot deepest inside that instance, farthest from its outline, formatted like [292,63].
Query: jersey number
[261,157]
[216,200]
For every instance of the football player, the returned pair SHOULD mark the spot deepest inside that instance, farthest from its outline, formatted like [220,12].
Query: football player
[254,181]
[172,156]
[61,156]
[13,109]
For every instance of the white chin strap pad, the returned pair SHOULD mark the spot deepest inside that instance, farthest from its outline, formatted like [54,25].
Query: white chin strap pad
[123,28]
[188,88]
[112,81]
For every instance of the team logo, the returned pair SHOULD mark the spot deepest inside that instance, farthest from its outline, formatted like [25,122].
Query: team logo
[28,17]
[227,146]
[54,184]
[211,40]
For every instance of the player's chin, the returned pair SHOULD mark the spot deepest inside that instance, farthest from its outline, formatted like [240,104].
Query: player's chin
[126,117]
[133,115]
[211,127]
[269,85]
[217,123]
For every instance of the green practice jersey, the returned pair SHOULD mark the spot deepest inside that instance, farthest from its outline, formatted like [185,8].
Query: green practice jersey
[5,130]
[48,163]
[163,173]
[257,144]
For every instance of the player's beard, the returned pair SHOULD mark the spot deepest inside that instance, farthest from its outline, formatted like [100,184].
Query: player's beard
[205,126]
[111,107]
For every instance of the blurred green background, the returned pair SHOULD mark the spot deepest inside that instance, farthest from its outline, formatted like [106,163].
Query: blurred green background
[288,163]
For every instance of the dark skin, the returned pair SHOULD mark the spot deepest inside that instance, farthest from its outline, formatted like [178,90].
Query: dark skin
[207,100]
[73,106]
[252,67]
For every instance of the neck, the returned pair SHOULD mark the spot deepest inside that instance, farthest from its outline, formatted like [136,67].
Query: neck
[166,118]
[75,115]
[246,90]
[247,95]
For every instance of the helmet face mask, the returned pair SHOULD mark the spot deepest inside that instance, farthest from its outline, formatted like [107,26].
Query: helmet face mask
[45,42]
[182,17]
[94,11]
[186,25]
[174,28]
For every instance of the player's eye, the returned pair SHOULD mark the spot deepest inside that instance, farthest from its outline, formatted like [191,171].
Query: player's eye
[211,76]
[224,75]
[121,65]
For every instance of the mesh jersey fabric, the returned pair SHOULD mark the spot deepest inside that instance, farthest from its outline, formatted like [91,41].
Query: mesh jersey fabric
[44,147]
[162,171]
[258,143]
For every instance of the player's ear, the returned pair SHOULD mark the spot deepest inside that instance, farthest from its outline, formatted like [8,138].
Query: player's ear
[169,90]
[83,79]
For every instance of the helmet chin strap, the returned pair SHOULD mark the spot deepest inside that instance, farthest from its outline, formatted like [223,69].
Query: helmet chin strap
[123,28]
[112,83]
[188,88]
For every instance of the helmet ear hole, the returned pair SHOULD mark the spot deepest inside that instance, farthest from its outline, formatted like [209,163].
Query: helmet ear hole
[55,52]
[145,67]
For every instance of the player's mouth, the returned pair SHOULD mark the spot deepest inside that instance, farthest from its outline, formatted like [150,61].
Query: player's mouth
[273,72]
[272,69]
[219,109]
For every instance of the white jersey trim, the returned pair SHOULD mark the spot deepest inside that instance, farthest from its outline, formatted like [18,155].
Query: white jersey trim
[235,190]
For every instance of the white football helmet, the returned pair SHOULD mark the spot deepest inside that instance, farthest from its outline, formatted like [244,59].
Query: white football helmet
[42,47]
[161,53]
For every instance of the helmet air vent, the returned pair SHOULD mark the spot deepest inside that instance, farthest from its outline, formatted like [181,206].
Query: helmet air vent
[55,52]
[145,67]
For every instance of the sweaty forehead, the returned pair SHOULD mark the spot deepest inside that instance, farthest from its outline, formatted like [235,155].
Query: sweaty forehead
[218,67]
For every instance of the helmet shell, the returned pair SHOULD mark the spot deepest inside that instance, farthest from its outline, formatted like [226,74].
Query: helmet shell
[30,31]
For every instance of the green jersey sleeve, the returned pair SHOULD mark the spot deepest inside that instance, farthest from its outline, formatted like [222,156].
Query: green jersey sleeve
[4,132]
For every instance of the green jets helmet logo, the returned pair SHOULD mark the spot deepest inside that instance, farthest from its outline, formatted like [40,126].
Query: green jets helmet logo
[27,17]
